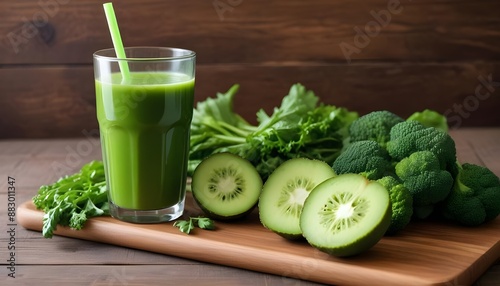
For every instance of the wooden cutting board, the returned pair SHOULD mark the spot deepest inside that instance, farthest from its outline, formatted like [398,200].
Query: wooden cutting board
[424,253]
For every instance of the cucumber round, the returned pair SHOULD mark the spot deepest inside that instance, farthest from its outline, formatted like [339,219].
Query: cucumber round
[346,215]
[226,186]
[285,191]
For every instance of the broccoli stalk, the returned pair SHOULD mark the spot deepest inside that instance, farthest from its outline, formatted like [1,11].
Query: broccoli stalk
[475,197]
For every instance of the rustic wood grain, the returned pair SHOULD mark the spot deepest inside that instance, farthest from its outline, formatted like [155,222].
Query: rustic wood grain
[421,54]
[439,252]
[105,275]
[63,102]
[84,261]
[478,146]
[255,31]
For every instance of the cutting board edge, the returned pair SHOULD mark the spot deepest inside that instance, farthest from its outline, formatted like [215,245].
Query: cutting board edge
[28,217]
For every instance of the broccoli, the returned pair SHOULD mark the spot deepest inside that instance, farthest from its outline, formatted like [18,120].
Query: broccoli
[374,126]
[430,118]
[366,158]
[475,197]
[411,136]
[401,201]
[428,183]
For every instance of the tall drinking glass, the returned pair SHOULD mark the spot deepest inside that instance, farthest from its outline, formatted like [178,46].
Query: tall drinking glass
[144,114]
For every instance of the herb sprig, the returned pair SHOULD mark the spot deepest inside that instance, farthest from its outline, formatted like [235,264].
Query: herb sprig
[73,199]
[187,226]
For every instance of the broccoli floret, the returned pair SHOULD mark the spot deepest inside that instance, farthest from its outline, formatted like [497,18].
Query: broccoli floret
[401,202]
[430,118]
[366,158]
[374,126]
[411,136]
[428,183]
[475,197]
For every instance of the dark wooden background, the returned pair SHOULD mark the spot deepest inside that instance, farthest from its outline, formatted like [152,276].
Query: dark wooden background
[437,54]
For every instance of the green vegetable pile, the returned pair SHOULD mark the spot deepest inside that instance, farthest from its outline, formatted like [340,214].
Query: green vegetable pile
[415,159]
[300,127]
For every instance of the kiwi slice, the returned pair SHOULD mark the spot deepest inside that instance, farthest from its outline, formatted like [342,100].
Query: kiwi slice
[285,191]
[346,215]
[226,186]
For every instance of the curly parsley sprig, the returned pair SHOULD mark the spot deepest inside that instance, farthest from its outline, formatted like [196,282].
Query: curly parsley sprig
[73,199]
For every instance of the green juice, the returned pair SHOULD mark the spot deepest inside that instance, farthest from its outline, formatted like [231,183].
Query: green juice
[144,128]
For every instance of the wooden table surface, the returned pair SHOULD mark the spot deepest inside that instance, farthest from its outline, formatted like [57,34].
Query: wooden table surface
[68,261]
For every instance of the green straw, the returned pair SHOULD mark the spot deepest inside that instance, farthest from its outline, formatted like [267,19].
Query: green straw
[117,40]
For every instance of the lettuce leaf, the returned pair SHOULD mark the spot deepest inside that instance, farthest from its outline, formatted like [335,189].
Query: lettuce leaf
[300,127]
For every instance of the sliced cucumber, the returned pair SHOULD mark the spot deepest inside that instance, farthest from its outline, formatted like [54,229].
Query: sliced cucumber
[285,191]
[226,186]
[346,215]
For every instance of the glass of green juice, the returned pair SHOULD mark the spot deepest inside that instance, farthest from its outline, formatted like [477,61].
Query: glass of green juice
[144,108]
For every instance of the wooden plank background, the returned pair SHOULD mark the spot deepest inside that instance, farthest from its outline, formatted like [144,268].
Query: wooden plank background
[32,163]
[401,55]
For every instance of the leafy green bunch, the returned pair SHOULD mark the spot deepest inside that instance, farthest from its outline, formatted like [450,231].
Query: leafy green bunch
[73,199]
[300,127]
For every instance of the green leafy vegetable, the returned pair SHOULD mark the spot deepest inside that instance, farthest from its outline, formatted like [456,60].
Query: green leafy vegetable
[300,127]
[187,226]
[424,178]
[375,126]
[73,199]
[431,118]
[366,158]
[411,136]
[475,198]
[417,158]
[401,204]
